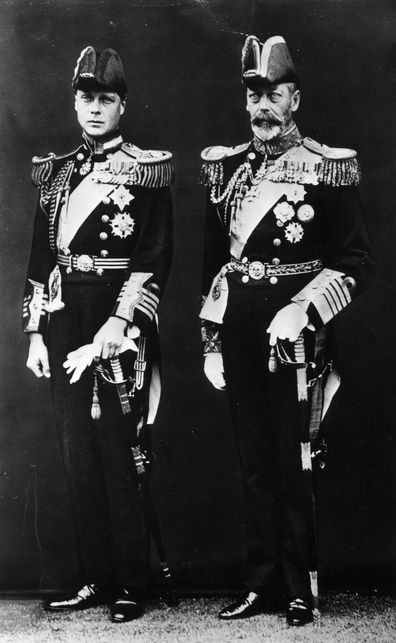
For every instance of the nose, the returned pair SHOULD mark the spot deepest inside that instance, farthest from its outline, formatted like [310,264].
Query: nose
[95,106]
[264,103]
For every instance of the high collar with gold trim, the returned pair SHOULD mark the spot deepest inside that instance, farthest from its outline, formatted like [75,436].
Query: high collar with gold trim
[279,145]
[102,146]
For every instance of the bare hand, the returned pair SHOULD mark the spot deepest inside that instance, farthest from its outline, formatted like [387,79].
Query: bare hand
[109,338]
[37,360]
[287,323]
[214,370]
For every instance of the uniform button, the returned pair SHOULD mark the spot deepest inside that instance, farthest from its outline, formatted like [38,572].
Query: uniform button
[99,272]
[103,236]
[109,155]
[66,251]
[277,242]
[245,279]
[275,261]
[104,253]
[251,156]
[69,270]
[106,200]
[105,218]
[80,156]
[244,259]
[273,280]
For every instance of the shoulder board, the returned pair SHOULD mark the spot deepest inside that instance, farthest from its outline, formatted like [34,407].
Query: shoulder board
[217,153]
[134,166]
[146,156]
[339,165]
[331,153]
[212,172]
[42,166]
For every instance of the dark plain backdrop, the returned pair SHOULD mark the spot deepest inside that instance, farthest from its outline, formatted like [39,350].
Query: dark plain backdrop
[182,60]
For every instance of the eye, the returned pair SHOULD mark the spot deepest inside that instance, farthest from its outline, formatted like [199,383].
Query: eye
[107,100]
[275,96]
[254,98]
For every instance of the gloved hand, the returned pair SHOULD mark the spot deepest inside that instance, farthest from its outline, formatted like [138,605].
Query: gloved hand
[77,361]
[214,370]
[37,359]
[287,323]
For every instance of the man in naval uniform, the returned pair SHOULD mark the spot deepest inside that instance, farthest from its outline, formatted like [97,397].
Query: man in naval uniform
[285,251]
[99,262]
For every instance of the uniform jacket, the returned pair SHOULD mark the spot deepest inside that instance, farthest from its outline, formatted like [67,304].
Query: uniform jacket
[100,207]
[286,209]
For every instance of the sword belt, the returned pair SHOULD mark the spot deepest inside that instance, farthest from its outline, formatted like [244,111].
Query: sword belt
[92,263]
[258,271]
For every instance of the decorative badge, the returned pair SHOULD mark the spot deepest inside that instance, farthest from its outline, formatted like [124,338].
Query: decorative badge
[294,232]
[121,197]
[122,225]
[86,167]
[305,213]
[283,212]
[295,192]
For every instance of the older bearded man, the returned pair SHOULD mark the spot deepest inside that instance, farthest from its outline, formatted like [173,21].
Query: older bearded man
[285,251]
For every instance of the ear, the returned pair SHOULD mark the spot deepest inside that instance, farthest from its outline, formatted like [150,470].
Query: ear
[296,100]
[75,101]
[122,106]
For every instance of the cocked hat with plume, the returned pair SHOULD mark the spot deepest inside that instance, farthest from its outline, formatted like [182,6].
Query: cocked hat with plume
[103,71]
[267,64]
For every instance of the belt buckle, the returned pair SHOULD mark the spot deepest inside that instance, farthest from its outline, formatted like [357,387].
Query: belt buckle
[256,270]
[84,263]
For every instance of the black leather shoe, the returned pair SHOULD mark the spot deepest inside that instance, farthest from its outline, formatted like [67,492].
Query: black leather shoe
[299,612]
[125,607]
[87,596]
[249,606]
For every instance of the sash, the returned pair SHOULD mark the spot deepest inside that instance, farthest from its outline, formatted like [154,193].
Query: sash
[255,205]
[83,200]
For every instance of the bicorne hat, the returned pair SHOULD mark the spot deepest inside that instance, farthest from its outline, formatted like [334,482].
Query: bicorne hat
[267,64]
[103,71]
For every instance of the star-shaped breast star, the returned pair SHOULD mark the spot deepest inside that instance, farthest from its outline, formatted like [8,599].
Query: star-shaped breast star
[121,197]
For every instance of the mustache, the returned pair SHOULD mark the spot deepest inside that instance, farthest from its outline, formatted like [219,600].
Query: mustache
[270,121]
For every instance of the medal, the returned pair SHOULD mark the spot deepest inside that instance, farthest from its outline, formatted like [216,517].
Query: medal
[294,232]
[305,213]
[283,212]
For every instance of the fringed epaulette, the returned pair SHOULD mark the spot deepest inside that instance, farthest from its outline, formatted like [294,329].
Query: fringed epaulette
[339,166]
[42,167]
[134,166]
[212,172]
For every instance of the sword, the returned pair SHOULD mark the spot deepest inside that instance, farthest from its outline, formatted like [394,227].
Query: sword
[141,463]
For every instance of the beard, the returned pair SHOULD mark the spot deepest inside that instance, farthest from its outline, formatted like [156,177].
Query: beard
[266,128]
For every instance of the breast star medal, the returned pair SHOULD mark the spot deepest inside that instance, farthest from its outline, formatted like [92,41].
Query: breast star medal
[294,232]
[294,192]
[283,212]
[121,197]
[122,225]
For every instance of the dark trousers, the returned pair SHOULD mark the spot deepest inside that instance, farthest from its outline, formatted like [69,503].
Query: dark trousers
[267,424]
[106,506]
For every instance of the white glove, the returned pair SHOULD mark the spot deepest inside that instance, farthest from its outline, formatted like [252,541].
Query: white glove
[287,323]
[77,361]
[214,370]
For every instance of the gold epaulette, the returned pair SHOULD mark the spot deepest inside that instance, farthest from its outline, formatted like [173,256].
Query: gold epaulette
[151,168]
[42,167]
[212,172]
[339,166]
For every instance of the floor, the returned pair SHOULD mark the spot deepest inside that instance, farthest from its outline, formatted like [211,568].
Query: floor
[346,618]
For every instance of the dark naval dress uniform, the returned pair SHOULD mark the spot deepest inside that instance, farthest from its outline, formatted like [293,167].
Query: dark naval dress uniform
[101,247]
[284,224]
